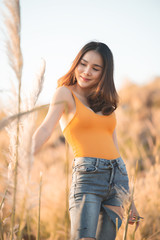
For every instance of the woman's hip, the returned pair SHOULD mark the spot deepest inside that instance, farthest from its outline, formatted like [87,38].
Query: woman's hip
[98,176]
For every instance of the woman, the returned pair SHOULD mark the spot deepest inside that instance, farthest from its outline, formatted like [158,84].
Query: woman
[99,177]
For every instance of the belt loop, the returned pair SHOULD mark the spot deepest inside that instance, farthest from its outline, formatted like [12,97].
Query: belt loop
[118,160]
[97,162]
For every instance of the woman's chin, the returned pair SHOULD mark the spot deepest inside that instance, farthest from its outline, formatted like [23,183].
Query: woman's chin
[85,84]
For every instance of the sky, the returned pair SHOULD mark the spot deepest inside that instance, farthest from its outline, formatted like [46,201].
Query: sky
[56,30]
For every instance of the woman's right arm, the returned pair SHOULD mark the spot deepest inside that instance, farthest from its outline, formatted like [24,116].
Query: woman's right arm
[59,102]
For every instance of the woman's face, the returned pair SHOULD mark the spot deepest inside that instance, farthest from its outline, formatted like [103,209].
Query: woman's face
[89,70]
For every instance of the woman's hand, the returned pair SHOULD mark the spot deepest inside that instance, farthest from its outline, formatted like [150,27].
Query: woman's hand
[134,216]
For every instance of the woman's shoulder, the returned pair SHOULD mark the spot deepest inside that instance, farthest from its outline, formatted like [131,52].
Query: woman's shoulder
[63,93]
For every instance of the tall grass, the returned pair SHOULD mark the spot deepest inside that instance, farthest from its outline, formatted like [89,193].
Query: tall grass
[39,207]
[128,210]
[20,132]
[16,62]
[67,195]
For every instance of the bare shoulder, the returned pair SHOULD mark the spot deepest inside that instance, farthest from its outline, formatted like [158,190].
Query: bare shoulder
[62,94]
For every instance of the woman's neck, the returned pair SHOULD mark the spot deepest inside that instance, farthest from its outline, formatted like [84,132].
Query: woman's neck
[83,92]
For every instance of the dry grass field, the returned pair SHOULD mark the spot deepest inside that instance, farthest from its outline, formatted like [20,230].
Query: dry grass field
[138,133]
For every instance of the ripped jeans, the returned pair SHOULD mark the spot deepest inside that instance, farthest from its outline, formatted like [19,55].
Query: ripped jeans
[96,182]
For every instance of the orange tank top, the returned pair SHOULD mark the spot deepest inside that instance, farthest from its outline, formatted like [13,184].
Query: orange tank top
[90,134]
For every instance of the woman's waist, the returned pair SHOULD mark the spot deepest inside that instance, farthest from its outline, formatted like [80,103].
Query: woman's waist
[94,153]
[99,165]
[97,161]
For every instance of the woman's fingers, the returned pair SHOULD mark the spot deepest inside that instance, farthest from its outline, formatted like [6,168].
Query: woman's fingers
[136,220]
[137,225]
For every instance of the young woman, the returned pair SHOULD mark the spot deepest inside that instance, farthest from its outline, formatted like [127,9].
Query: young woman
[99,177]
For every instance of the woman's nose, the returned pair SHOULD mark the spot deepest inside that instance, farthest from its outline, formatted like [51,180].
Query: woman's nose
[87,71]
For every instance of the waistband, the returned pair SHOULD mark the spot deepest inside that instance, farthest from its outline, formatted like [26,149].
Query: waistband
[96,161]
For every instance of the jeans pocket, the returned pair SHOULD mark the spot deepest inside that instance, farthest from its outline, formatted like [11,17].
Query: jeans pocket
[85,168]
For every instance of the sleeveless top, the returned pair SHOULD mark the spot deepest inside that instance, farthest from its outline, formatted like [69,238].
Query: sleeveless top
[90,134]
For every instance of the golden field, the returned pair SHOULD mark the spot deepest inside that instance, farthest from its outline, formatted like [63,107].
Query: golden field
[138,133]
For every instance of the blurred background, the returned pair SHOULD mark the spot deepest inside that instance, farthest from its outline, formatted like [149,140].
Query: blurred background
[55,31]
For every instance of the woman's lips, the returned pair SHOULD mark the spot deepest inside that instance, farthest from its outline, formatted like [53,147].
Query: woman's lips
[85,79]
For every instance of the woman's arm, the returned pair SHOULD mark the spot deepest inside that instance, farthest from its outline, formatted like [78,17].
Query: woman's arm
[59,102]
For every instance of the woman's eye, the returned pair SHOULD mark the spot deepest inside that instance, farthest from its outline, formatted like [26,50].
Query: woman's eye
[83,64]
[95,69]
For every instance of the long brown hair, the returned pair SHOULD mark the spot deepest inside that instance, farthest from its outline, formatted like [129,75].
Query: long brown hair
[104,97]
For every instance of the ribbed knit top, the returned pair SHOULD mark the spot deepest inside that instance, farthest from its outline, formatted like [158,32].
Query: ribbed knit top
[91,134]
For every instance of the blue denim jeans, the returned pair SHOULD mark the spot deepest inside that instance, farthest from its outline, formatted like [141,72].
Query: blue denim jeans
[96,182]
